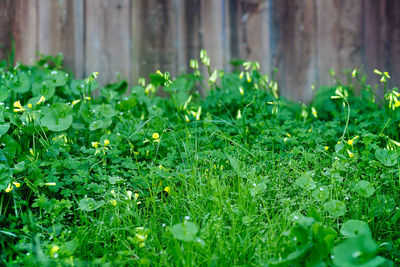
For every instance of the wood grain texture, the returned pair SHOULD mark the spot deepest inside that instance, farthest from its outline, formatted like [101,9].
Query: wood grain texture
[7,10]
[25,30]
[339,37]
[154,35]
[107,39]
[294,53]
[60,30]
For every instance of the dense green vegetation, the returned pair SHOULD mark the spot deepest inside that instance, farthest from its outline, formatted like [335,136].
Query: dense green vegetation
[240,177]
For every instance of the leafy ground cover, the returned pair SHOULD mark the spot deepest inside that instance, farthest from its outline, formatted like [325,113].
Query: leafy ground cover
[240,177]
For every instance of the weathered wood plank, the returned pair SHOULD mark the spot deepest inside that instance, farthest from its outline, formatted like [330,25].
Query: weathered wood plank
[7,10]
[339,37]
[154,36]
[24,30]
[293,47]
[382,39]
[107,39]
[60,29]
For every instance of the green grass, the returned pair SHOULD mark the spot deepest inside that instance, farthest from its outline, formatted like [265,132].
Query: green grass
[125,179]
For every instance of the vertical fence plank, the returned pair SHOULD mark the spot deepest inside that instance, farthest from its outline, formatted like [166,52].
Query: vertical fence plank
[294,52]
[24,30]
[339,37]
[154,35]
[60,29]
[212,32]
[7,9]
[382,39]
[107,39]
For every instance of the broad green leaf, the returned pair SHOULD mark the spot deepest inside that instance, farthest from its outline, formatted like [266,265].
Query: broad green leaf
[365,188]
[387,158]
[95,125]
[56,124]
[87,204]
[335,208]
[306,181]
[321,193]
[357,251]
[185,231]
[23,85]
[4,93]
[4,128]
[353,228]
[44,88]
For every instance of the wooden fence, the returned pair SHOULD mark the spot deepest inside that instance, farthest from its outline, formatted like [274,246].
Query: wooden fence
[303,39]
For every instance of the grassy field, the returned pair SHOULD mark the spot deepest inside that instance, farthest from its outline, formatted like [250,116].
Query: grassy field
[240,177]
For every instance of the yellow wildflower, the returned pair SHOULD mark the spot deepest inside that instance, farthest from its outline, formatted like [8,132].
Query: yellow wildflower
[350,153]
[187,118]
[54,249]
[326,148]
[106,142]
[288,135]
[314,112]
[18,106]
[113,202]
[75,102]
[241,90]
[198,113]
[50,184]
[239,115]
[167,189]
[95,144]
[29,105]
[9,188]
[88,98]
[17,184]
[41,100]
[156,136]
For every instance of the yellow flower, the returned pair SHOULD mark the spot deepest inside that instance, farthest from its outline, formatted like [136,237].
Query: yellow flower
[17,184]
[95,144]
[106,142]
[350,142]
[350,154]
[156,136]
[241,75]
[9,188]
[326,148]
[198,113]
[54,249]
[239,115]
[288,135]
[285,140]
[50,184]
[76,102]
[136,196]
[187,118]
[29,105]
[167,189]
[113,202]
[41,100]
[18,107]
[95,74]
[88,98]
[314,112]
[241,90]
[141,237]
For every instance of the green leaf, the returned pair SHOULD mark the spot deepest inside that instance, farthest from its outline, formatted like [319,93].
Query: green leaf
[185,231]
[339,147]
[4,128]
[387,158]
[306,182]
[357,251]
[320,194]
[87,204]
[56,124]
[95,125]
[365,188]
[77,87]
[335,208]
[4,93]
[353,228]
[23,85]
[234,162]
[45,89]
[107,111]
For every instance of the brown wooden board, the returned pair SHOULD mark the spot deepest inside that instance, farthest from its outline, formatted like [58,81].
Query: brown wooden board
[108,39]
